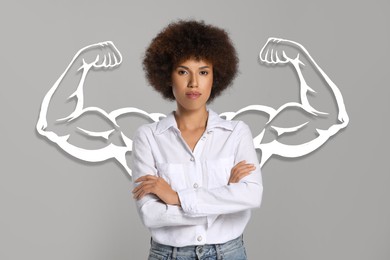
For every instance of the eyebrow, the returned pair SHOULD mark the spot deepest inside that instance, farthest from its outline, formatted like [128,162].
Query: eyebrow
[184,67]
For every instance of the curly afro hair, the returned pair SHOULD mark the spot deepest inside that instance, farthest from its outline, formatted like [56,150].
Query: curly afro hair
[182,40]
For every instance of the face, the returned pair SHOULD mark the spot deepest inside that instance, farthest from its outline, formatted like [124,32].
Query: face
[192,81]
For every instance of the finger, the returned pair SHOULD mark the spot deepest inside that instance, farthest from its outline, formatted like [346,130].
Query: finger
[104,63]
[118,56]
[111,45]
[267,55]
[245,167]
[115,51]
[263,51]
[150,188]
[264,58]
[139,187]
[272,56]
[146,189]
[248,167]
[113,60]
[240,163]
[145,185]
[109,60]
[236,178]
[263,54]
[145,178]
[278,60]
[116,60]
[140,195]
[136,189]
[136,193]
[240,174]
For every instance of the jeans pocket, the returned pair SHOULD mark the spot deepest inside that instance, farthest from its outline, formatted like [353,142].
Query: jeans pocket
[158,255]
[236,254]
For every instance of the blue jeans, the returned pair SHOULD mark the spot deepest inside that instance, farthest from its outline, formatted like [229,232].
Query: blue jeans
[231,250]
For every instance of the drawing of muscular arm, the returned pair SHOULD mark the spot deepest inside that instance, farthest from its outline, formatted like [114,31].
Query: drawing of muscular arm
[274,53]
[105,56]
[96,57]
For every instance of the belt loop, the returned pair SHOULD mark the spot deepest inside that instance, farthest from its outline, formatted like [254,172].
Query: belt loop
[174,253]
[219,251]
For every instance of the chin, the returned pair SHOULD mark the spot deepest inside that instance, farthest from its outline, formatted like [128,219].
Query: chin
[192,107]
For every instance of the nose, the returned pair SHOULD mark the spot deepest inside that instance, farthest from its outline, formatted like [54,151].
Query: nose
[193,83]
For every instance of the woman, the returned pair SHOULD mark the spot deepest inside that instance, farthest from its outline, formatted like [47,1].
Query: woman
[196,175]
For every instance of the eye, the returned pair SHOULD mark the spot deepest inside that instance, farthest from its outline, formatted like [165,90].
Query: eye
[204,72]
[182,72]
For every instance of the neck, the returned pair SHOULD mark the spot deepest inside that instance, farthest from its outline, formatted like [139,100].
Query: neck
[191,119]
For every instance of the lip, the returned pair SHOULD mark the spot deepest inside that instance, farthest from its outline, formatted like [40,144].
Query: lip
[193,94]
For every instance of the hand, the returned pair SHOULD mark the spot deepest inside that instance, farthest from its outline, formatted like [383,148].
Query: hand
[101,55]
[240,170]
[157,186]
[280,51]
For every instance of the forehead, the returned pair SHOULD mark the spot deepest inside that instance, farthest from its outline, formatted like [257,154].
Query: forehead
[194,63]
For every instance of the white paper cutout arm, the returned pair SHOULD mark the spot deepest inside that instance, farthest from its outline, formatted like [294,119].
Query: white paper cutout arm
[274,52]
[106,56]
[100,56]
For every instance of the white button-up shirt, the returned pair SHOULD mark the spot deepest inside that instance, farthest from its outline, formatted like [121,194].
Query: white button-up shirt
[211,211]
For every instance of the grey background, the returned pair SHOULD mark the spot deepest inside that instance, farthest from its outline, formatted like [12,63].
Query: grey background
[332,204]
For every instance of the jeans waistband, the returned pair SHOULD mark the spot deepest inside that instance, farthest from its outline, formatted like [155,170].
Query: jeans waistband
[219,248]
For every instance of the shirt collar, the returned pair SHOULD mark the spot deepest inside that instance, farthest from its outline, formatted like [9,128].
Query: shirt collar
[213,121]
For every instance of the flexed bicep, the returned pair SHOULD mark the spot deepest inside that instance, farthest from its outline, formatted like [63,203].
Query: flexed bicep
[295,129]
[87,133]
[279,52]
[65,99]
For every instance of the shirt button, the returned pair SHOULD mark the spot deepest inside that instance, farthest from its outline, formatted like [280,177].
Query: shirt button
[195,186]
[192,159]
[203,137]
[199,238]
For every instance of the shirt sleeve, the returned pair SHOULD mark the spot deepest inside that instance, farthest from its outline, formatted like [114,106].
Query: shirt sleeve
[230,198]
[153,212]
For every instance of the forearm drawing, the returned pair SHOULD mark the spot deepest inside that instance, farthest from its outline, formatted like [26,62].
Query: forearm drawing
[105,56]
